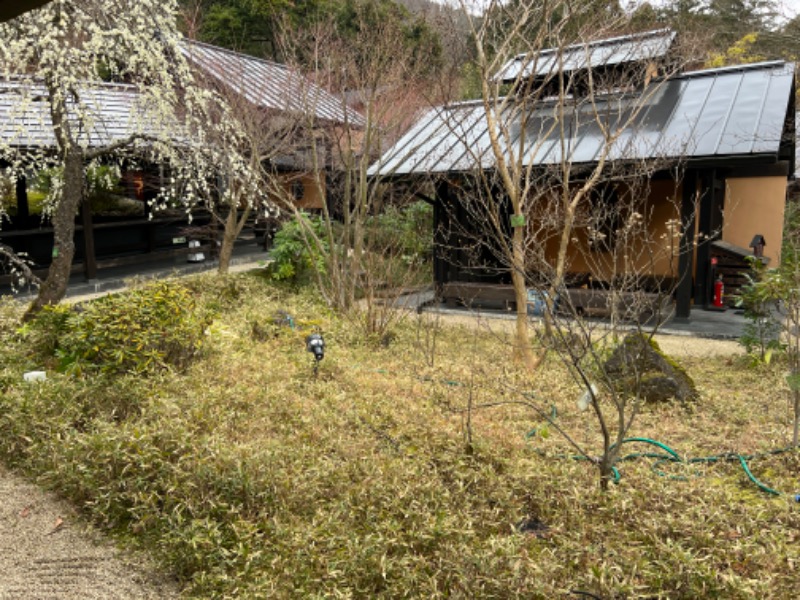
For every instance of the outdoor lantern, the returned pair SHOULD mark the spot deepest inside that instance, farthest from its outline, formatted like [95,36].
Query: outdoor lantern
[316,345]
[758,244]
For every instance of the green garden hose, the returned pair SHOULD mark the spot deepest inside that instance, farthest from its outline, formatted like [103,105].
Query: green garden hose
[670,457]
[673,456]
[760,485]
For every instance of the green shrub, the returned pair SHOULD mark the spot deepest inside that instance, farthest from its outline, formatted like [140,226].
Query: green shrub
[151,328]
[295,256]
[759,298]
[407,231]
[42,334]
[226,293]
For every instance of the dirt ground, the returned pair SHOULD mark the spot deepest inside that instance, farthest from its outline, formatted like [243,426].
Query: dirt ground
[46,552]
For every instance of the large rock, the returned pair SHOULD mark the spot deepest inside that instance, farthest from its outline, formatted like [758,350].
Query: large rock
[639,365]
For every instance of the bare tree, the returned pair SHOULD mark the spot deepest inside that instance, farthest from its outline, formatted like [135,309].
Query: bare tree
[374,69]
[540,93]
[549,177]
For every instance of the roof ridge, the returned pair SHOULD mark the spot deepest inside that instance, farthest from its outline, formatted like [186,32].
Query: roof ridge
[601,42]
[235,53]
[22,79]
[767,64]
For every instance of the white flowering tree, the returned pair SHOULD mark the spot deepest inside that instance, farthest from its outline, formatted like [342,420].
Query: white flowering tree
[53,57]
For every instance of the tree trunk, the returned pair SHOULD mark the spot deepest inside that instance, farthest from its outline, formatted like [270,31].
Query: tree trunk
[557,283]
[796,432]
[606,473]
[522,348]
[229,236]
[55,285]
[234,223]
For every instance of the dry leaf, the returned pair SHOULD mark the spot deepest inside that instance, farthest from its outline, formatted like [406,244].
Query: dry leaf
[57,526]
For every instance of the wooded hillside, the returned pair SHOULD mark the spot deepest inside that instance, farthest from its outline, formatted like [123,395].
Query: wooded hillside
[719,31]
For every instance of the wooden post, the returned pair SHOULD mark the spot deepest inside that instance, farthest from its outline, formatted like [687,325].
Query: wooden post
[440,228]
[704,242]
[89,258]
[683,303]
[23,210]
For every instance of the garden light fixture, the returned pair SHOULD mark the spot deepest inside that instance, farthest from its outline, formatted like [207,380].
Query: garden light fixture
[316,345]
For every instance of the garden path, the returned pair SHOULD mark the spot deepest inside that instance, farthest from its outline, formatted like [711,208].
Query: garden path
[47,552]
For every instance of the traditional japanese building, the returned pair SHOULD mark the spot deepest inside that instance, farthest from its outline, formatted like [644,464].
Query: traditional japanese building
[715,148]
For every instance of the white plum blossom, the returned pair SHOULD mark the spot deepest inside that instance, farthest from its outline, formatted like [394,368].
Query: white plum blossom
[61,61]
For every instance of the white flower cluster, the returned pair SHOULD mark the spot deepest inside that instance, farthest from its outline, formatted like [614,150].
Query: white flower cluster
[673,229]
[595,235]
[634,222]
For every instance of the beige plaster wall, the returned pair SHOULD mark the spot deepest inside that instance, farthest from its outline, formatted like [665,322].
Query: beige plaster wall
[653,253]
[313,190]
[752,205]
[755,205]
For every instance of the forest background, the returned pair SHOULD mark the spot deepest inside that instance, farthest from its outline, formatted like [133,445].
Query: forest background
[725,31]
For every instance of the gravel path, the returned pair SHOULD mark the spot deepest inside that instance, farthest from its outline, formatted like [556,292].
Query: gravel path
[47,553]
[674,345]
[684,345]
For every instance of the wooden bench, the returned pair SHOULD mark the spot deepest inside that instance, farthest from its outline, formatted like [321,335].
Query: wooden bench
[631,306]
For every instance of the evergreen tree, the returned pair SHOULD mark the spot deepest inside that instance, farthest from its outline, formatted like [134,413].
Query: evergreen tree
[733,19]
[255,27]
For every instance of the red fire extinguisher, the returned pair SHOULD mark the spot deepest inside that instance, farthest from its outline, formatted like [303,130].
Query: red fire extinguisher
[719,291]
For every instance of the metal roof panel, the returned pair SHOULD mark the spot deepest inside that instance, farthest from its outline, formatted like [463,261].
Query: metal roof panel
[722,96]
[473,145]
[721,112]
[407,156]
[756,121]
[267,84]
[679,131]
[608,52]
[104,113]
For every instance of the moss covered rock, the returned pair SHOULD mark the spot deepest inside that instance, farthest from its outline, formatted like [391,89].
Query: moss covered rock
[638,367]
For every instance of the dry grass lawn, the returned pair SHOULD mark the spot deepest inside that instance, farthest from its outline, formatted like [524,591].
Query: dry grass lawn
[249,477]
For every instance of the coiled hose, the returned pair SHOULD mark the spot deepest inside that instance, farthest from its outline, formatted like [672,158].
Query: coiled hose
[673,457]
